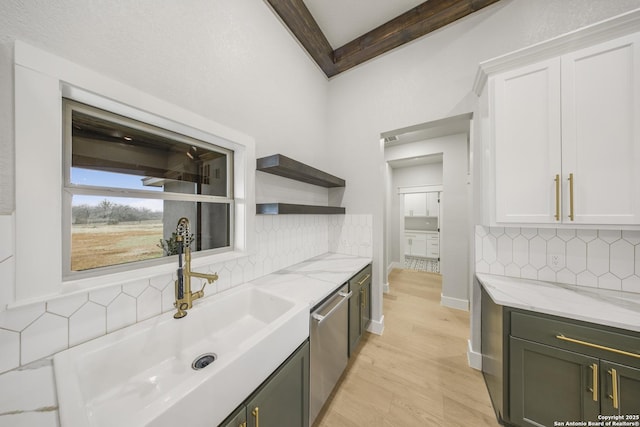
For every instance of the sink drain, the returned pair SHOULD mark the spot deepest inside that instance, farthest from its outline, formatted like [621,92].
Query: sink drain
[203,361]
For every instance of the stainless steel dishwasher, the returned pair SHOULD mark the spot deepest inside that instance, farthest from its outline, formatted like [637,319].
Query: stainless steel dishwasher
[329,348]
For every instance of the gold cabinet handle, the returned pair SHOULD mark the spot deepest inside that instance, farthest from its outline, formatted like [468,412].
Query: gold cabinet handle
[244,424]
[614,387]
[366,277]
[557,181]
[594,381]
[598,346]
[362,298]
[256,414]
[571,216]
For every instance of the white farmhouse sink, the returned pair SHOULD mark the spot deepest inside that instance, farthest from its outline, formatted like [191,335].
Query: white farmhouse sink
[142,375]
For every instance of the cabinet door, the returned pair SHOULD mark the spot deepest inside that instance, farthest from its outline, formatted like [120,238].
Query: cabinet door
[620,394]
[601,132]
[408,242]
[365,305]
[419,245]
[433,205]
[548,384]
[355,314]
[526,118]
[415,204]
[237,419]
[284,399]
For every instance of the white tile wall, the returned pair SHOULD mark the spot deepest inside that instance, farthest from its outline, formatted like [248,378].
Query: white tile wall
[595,258]
[40,330]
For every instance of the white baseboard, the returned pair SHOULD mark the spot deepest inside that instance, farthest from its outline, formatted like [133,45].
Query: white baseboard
[394,264]
[457,303]
[376,327]
[473,357]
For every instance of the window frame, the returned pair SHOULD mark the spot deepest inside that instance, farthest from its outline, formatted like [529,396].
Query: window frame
[70,189]
[41,80]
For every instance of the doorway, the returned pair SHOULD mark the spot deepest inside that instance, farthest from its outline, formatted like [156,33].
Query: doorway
[450,139]
[420,217]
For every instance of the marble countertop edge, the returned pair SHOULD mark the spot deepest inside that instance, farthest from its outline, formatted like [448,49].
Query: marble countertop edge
[599,306]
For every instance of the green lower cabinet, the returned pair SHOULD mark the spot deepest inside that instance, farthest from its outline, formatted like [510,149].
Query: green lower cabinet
[620,389]
[237,419]
[282,400]
[365,303]
[548,384]
[359,306]
[355,324]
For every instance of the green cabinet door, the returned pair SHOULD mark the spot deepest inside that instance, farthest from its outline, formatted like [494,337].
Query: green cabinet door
[237,419]
[365,305]
[359,306]
[620,393]
[548,384]
[355,316]
[284,399]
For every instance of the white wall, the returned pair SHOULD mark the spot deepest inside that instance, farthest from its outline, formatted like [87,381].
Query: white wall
[232,62]
[430,174]
[430,79]
[454,242]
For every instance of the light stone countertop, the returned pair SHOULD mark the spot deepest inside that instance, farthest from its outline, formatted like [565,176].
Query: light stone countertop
[601,306]
[28,394]
[313,280]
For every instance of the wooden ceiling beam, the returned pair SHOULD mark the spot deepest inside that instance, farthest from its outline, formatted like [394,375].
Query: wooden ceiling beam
[422,19]
[298,19]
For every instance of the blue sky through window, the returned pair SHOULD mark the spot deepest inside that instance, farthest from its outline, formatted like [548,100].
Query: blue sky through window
[117,180]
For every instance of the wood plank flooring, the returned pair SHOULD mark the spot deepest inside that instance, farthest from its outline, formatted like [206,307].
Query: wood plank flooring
[416,373]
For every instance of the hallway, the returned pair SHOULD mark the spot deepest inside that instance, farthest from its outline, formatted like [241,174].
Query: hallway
[416,373]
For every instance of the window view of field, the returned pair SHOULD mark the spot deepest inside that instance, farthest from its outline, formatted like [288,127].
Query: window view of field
[111,234]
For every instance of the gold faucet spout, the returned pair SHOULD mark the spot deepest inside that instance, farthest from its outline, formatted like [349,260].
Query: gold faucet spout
[184,296]
[209,277]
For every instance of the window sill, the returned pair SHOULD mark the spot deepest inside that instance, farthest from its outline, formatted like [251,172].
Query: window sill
[91,284]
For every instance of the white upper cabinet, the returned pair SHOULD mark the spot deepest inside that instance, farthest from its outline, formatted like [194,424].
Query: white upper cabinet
[600,132]
[567,139]
[415,204]
[527,142]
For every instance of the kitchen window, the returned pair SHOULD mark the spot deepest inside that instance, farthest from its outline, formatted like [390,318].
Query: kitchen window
[126,185]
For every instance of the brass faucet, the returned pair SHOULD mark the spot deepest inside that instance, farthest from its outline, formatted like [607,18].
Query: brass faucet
[184,296]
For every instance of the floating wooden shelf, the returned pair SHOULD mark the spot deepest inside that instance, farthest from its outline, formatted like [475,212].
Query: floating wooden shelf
[287,208]
[278,164]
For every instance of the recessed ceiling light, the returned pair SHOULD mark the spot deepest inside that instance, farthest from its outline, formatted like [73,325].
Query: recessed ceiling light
[127,138]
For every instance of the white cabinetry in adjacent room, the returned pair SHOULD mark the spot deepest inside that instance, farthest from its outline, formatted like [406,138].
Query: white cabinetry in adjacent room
[567,137]
[416,244]
[433,245]
[423,244]
[415,204]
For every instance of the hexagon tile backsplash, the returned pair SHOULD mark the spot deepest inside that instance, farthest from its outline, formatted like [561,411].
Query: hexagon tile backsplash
[608,259]
[40,330]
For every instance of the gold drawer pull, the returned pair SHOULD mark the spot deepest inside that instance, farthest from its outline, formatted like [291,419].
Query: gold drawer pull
[614,387]
[594,381]
[598,346]
[256,414]
[571,216]
[364,280]
[557,180]
[244,424]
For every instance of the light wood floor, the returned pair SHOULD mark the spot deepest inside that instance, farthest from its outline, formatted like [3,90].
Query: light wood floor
[416,373]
